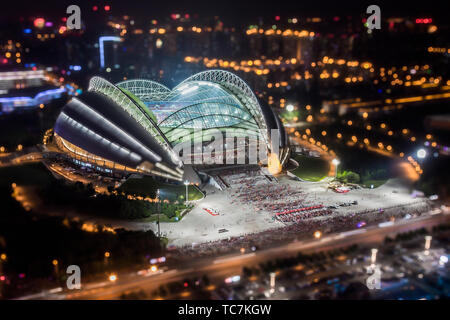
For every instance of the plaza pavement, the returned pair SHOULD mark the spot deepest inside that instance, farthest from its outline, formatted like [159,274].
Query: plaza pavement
[239,219]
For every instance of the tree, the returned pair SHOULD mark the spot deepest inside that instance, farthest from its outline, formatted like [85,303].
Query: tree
[353,177]
[349,176]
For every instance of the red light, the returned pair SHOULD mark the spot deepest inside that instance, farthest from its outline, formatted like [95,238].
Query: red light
[5,60]
[94,8]
[107,8]
[185,284]
[336,18]
[186,15]
[62,29]
[425,20]
[277,18]
[39,22]
[2,278]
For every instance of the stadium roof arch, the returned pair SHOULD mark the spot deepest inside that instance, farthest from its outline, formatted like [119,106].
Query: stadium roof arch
[133,124]
[145,90]
[134,109]
[237,87]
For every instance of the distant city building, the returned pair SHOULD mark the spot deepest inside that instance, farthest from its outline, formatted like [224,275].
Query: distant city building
[26,89]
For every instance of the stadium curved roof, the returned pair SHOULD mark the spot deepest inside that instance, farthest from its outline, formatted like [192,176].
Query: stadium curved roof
[238,88]
[145,90]
[134,122]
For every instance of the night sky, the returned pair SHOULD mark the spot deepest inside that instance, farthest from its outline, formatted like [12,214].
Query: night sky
[230,10]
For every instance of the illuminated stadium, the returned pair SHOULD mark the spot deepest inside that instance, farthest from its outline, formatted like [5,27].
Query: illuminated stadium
[141,126]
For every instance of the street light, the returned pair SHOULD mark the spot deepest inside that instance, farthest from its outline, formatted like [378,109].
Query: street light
[186,183]
[421,153]
[272,282]
[427,244]
[373,258]
[107,255]
[55,266]
[158,212]
[335,162]
[112,277]
[290,107]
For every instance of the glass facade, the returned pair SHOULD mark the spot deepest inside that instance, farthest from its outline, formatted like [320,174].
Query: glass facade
[207,100]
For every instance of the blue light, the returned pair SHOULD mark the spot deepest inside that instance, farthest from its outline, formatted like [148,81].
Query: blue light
[27,31]
[42,97]
[75,68]
[102,51]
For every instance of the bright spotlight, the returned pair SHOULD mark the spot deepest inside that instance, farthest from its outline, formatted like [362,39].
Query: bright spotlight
[290,107]
[335,162]
[112,277]
[421,153]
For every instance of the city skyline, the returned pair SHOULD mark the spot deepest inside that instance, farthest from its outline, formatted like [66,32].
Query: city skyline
[249,151]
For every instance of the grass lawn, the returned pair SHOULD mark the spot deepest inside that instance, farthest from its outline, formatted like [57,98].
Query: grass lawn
[147,186]
[289,116]
[310,168]
[163,218]
[376,183]
[28,174]
[154,218]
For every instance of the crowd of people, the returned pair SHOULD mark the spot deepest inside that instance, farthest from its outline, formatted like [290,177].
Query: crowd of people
[302,214]
[296,217]
[234,177]
[252,188]
[272,197]
[296,231]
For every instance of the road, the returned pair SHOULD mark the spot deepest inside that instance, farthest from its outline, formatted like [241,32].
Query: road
[219,268]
